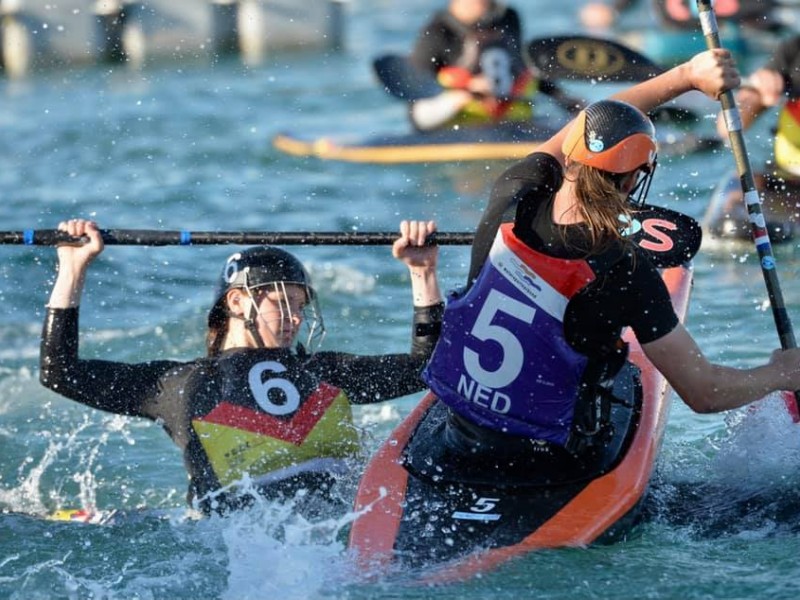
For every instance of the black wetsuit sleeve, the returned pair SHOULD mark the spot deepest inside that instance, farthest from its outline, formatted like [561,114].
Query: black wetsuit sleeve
[435,42]
[368,379]
[114,387]
[536,176]
[426,326]
[512,26]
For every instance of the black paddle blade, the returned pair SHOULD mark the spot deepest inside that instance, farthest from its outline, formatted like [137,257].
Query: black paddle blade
[669,238]
[673,115]
[583,58]
[403,80]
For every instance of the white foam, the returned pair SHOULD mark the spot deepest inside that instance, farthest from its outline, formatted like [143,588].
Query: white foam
[763,445]
[341,279]
[275,553]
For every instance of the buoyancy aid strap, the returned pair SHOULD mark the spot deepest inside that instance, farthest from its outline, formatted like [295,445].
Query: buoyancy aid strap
[591,422]
[593,406]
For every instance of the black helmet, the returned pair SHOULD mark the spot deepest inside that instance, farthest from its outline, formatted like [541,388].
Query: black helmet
[260,266]
[612,136]
[616,137]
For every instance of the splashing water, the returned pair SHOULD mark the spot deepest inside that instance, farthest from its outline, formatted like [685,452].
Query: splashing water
[273,551]
[744,455]
[747,488]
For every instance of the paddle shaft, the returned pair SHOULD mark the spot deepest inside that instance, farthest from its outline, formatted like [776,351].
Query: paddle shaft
[148,237]
[733,122]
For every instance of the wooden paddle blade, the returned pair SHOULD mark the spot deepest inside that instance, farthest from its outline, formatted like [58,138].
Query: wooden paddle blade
[583,58]
[403,80]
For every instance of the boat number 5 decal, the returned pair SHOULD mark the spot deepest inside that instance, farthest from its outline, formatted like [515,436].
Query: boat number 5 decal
[484,505]
[261,389]
[483,329]
[480,511]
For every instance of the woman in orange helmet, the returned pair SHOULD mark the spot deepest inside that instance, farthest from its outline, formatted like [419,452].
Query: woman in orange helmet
[554,280]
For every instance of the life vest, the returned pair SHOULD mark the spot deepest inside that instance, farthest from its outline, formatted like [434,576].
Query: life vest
[274,422]
[488,50]
[515,105]
[787,138]
[502,360]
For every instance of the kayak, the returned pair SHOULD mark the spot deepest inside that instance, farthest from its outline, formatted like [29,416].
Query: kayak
[568,58]
[726,217]
[493,142]
[121,516]
[451,521]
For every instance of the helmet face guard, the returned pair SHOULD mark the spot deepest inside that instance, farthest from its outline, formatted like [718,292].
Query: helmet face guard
[614,137]
[644,177]
[268,269]
[639,191]
[311,325]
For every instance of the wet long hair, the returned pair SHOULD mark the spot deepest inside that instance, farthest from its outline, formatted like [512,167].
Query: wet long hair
[215,336]
[603,208]
[607,142]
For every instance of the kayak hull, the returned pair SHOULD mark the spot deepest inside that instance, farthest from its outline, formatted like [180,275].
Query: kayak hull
[504,522]
[509,141]
[496,142]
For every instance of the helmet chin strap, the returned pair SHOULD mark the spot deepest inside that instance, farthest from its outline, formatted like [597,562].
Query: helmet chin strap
[249,321]
[638,194]
[250,325]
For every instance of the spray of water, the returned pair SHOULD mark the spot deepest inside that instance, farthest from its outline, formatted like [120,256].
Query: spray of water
[275,551]
[763,445]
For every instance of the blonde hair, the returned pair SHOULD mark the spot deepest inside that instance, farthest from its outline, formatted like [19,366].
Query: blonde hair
[601,205]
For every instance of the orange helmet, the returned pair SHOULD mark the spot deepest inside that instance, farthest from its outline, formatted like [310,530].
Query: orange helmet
[612,136]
